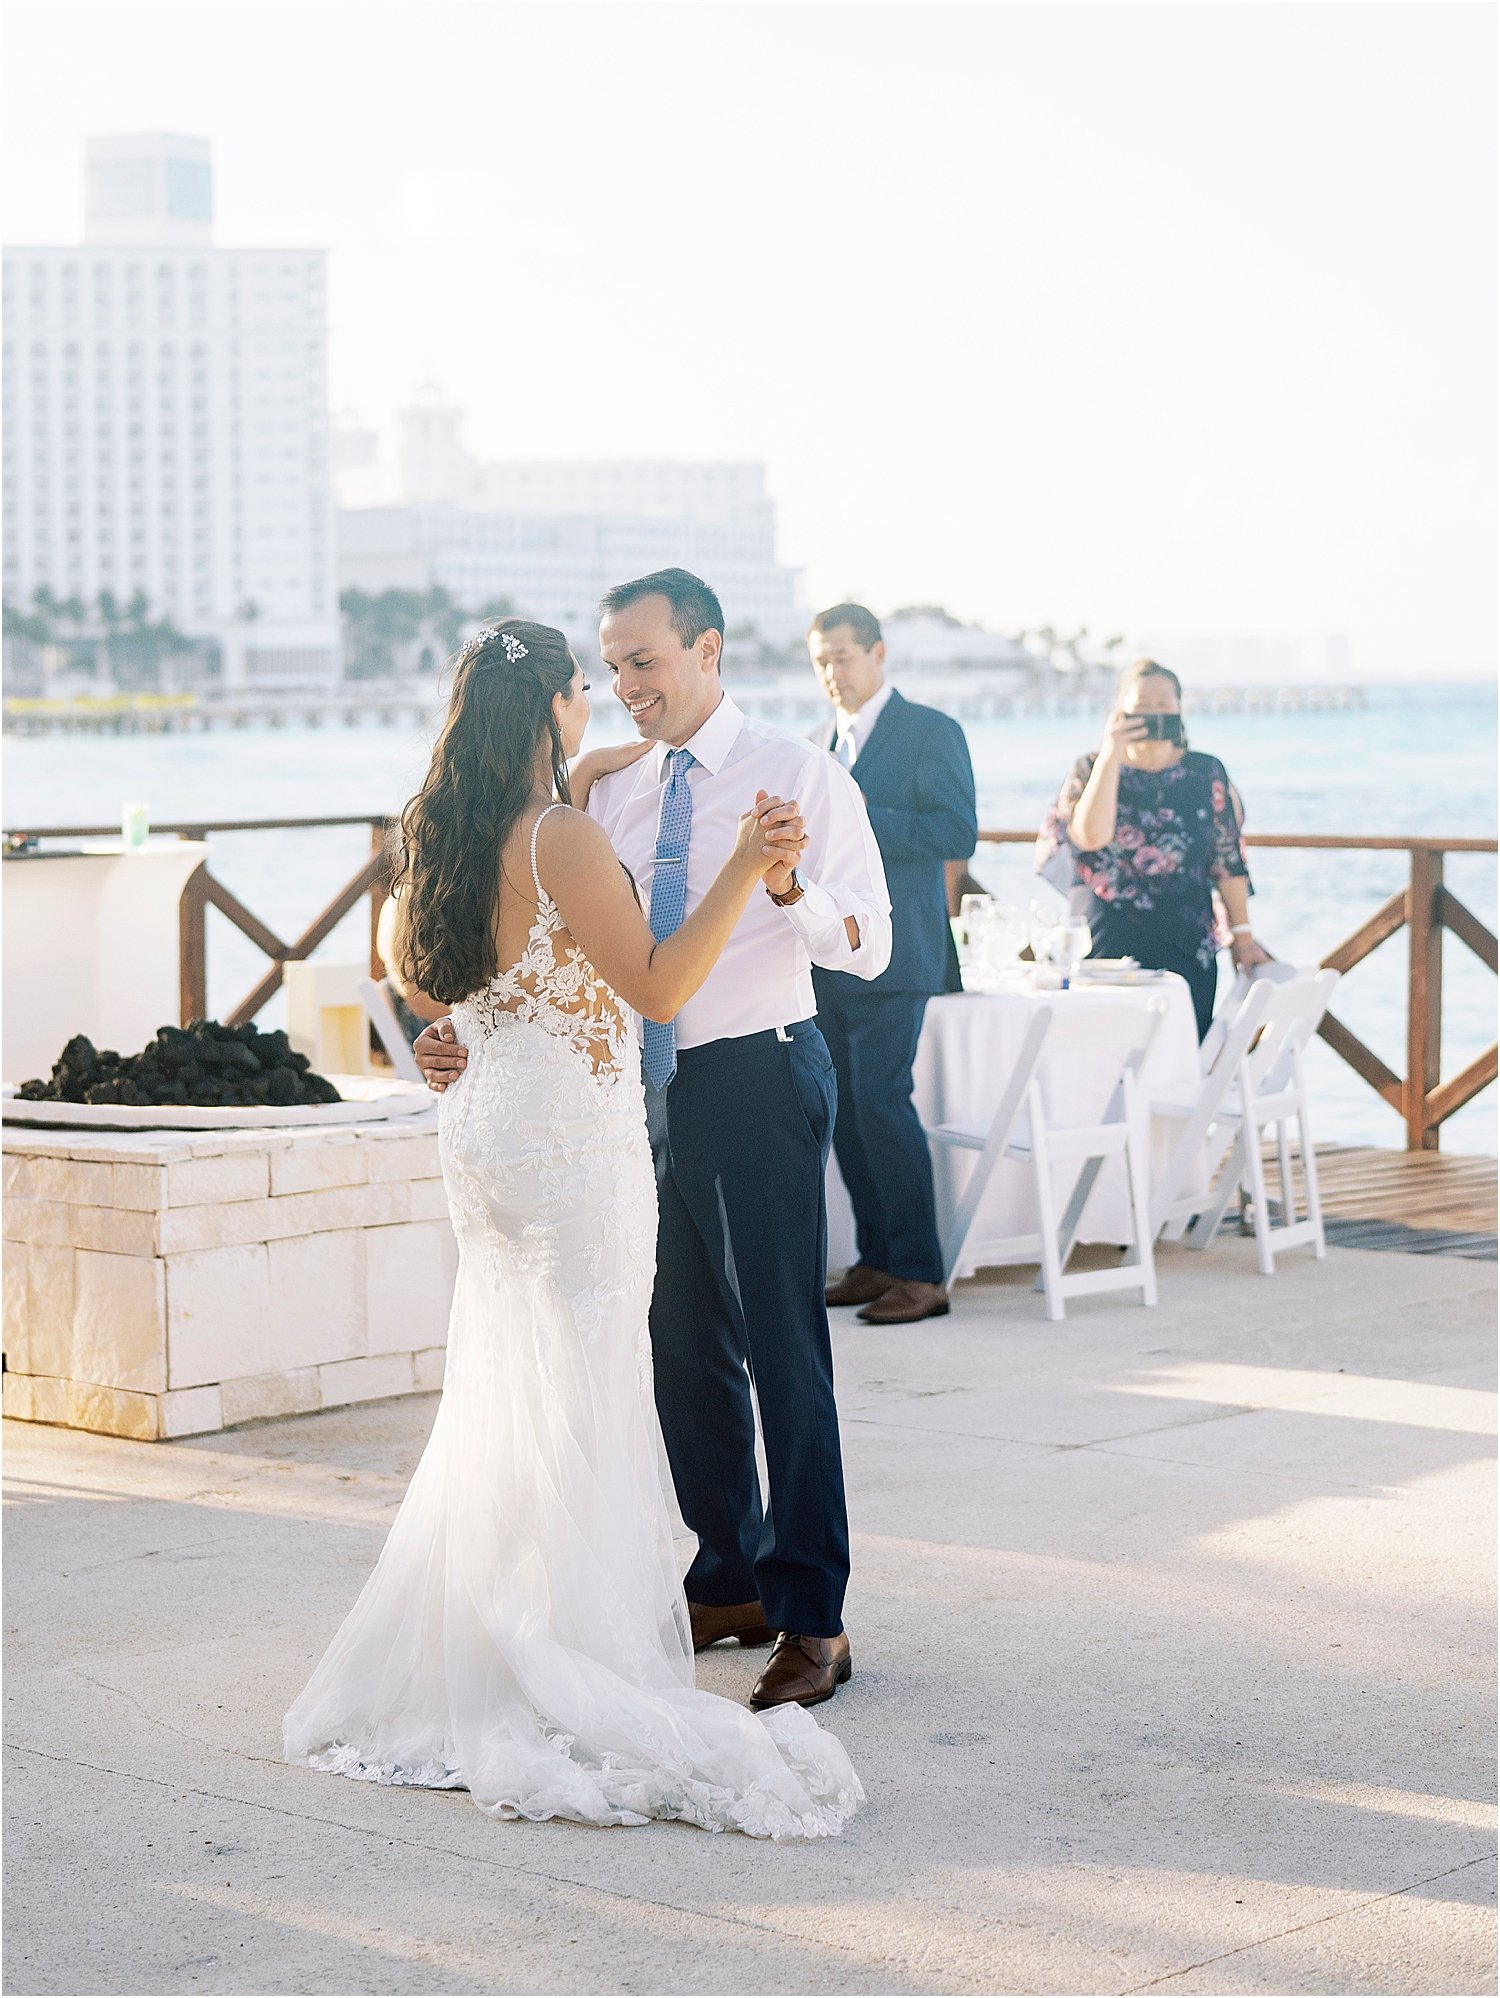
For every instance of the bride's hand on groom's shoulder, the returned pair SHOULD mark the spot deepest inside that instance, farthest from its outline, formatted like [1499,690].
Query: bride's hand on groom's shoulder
[585,773]
[440,1054]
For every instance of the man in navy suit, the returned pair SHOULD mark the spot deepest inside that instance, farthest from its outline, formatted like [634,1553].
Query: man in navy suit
[912,764]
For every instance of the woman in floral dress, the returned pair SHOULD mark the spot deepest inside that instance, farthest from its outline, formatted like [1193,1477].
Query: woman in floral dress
[1150,829]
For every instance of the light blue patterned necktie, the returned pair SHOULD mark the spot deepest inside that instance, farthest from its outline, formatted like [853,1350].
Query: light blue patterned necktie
[669,899]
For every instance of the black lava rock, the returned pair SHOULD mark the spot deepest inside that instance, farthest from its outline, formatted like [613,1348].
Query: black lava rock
[207,1063]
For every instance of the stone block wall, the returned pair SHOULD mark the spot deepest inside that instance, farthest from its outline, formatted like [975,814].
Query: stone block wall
[172,1283]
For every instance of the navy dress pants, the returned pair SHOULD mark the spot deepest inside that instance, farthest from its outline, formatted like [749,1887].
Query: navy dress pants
[878,1139]
[741,1136]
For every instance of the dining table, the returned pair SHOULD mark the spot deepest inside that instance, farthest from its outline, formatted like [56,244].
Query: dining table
[969,1044]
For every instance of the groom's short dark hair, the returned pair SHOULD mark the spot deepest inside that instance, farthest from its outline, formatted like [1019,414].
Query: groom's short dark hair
[695,608]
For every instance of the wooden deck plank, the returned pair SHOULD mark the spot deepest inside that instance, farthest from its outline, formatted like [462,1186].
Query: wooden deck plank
[1430,1190]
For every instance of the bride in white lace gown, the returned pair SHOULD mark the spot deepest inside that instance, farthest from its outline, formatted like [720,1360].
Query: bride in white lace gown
[524,1634]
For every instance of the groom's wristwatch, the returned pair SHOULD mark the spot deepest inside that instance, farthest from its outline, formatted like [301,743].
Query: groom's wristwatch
[793,894]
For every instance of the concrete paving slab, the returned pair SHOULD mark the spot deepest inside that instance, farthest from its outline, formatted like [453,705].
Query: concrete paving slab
[1379,1946]
[1205,1707]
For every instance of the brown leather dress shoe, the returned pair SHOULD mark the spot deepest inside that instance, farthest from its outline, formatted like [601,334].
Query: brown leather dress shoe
[905,1302]
[808,1670]
[858,1285]
[713,1622]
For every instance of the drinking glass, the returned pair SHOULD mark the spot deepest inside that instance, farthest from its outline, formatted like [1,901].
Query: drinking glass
[1039,927]
[1006,939]
[1000,944]
[135,824]
[971,907]
[1073,941]
[972,912]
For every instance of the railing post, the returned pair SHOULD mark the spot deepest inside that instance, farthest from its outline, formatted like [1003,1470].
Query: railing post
[378,894]
[1424,1002]
[192,946]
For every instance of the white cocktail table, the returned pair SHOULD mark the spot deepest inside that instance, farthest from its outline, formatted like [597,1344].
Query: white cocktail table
[969,1042]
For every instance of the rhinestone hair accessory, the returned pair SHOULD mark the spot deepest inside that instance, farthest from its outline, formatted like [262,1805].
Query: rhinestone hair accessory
[514,649]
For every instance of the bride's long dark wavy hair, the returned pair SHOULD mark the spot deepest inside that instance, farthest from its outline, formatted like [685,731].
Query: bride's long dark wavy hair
[480,780]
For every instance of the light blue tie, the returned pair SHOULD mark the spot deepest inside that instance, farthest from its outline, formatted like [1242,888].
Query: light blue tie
[669,900]
[845,750]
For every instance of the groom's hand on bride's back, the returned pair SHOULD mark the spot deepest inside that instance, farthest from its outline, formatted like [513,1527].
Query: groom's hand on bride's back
[440,1054]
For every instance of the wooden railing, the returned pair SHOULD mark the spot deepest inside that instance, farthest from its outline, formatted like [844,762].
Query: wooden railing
[204,891]
[1425,907]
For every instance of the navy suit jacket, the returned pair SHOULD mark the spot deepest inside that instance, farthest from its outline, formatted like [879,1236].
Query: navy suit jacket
[918,783]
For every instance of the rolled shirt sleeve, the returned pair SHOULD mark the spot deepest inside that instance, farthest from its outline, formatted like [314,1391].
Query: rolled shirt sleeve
[842,876]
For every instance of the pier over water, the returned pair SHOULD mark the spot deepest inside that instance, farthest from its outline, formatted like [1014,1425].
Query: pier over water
[392,704]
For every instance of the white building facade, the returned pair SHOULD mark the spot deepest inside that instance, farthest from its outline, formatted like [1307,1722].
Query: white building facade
[552,535]
[555,568]
[166,420]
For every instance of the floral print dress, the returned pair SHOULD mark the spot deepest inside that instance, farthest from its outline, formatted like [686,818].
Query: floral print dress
[1150,891]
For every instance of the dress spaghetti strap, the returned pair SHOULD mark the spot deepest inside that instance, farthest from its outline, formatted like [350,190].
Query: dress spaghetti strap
[541,893]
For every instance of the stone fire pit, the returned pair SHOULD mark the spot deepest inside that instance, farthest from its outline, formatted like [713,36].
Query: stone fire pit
[170,1283]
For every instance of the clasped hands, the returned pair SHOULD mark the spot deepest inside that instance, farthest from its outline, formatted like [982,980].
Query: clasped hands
[771,826]
[777,826]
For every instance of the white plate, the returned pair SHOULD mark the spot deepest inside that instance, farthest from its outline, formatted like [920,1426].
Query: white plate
[1136,977]
[367,1099]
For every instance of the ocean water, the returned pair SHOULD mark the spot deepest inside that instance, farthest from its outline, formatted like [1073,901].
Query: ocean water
[1416,760]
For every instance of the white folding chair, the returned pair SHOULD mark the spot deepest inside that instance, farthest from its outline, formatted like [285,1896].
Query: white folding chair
[1023,1131]
[1253,1083]
[1225,1046]
[376,1002]
[1277,972]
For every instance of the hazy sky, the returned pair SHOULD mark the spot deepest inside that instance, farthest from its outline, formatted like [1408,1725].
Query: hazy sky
[1164,318]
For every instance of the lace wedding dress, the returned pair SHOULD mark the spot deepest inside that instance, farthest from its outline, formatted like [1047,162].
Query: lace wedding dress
[524,1634]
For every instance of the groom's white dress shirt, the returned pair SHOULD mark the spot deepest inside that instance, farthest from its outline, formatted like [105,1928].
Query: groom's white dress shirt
[764,977]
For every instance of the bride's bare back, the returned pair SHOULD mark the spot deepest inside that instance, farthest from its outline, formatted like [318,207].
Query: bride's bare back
[547,979]
[560,876]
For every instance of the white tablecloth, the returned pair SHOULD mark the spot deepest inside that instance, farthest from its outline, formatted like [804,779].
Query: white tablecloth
[970,1041]
[91,947]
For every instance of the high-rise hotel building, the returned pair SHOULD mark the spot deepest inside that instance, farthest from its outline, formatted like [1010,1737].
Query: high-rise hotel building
[166,420]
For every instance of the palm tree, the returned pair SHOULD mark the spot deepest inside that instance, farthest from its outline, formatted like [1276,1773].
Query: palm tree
[399,617]
[446,618]
[138,649]
[26,633]
[110,617]
[358,608]
[380,627]
[31,626]
[937,612]
[171,641]
[1068,658]
[77,641]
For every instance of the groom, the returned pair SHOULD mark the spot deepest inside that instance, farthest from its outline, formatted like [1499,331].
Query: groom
[740,1103]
